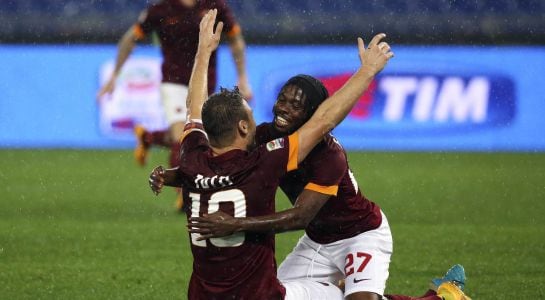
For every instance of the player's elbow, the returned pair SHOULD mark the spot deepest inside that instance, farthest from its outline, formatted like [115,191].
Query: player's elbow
[303,223]
[301,220]
[296,225]
[326,123]
[295,219]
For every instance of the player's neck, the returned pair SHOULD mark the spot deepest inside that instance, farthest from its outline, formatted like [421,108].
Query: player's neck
[238,144]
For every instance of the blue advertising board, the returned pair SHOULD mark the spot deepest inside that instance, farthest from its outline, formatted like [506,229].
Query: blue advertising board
[427,98]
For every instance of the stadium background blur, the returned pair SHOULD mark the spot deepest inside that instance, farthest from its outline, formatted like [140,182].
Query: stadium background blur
[77,220]
[304,21]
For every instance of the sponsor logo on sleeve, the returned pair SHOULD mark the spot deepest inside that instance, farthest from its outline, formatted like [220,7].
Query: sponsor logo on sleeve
[275,144]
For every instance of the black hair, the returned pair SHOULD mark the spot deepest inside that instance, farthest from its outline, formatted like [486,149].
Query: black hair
[313,89]
[221,114]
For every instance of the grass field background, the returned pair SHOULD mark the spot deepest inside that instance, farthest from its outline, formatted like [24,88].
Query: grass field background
[84,225]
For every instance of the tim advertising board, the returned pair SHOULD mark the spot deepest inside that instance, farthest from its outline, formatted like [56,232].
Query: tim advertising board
[438,98]
[413,103]
[428,98]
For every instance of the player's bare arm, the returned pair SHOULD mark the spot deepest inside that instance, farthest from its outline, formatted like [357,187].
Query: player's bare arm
[124,49]
[334,109]
[198,84]
[298,217]
[238,46]
[160,177]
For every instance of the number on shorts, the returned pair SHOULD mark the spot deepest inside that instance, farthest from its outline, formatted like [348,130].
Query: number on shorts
[239,202]
[349,268]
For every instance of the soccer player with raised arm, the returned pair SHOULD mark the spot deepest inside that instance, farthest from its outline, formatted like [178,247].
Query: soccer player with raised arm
[221,169]
[176,23]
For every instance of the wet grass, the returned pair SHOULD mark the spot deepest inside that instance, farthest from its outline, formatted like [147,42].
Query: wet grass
[83,224]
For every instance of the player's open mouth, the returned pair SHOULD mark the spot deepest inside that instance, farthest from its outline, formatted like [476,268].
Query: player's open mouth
[281,122]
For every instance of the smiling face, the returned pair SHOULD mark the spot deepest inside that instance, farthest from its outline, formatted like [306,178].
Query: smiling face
[289,109]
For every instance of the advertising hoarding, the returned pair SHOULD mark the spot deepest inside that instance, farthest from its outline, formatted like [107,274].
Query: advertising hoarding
[426,99]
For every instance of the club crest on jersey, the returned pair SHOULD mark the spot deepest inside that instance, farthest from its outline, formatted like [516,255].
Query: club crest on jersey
[275,144]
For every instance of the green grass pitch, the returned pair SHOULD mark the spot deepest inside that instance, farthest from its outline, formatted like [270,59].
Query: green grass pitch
[84,225]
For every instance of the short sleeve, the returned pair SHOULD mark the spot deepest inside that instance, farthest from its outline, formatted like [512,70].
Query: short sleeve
[293,152]
[265,132]
[279,156]
[326,170]
[147,22]
[225,14]
[194,137]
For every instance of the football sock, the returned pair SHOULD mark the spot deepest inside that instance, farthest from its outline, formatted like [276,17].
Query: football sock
[159,138]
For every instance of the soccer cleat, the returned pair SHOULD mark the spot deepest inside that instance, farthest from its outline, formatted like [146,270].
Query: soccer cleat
[450,291]
[455,274]
[142,148]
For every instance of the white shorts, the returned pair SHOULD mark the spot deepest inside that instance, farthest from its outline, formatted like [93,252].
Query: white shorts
[174,98]
[311,290]
[362,261]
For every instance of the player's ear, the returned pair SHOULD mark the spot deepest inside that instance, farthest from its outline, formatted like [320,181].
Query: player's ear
[243,127]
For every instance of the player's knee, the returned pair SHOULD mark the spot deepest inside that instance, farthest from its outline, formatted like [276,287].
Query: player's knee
[363,296]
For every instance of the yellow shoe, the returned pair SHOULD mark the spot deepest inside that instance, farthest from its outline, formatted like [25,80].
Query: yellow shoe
[142,149]
[449,291]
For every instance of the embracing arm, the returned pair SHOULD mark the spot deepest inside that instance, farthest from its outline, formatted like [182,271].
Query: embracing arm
[335,108]
[221,224]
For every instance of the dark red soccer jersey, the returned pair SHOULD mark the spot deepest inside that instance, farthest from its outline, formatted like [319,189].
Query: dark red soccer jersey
[240,183]
[178,30]
[325,170]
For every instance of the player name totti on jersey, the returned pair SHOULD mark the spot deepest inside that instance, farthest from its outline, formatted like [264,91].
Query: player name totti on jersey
[214,182]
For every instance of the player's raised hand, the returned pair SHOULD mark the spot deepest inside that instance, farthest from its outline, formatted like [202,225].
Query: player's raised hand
[157,180]
[208,38]
[377,54]
[214,225]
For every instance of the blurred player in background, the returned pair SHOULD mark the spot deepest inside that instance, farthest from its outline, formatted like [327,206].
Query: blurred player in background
[221,170]
[347,237]
[177,24]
